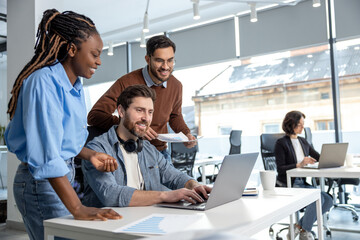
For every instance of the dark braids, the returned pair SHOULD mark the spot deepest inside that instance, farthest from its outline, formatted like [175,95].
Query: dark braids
[55,34]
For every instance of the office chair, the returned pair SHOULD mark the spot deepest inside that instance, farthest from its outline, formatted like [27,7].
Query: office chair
[340,183]
[78,183]
[308,136]
[343,196]
[235,142]
[267,145]
[183,158]
[235,148]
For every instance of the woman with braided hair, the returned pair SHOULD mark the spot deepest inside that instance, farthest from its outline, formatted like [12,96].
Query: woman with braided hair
[48,121]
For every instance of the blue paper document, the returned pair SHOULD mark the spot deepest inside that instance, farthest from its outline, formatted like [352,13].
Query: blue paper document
[159,224]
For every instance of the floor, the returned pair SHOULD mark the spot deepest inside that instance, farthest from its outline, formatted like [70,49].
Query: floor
[338,218]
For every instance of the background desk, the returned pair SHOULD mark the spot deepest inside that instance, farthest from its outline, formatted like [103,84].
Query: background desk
[205,162]
[246,216]
[342,172]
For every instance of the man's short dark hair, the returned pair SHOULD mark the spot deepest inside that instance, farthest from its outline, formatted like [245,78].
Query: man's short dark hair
[126,97]
[291,120]
[156,42]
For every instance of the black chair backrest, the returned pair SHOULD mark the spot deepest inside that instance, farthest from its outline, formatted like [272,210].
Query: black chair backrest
[235,142]
[267,145]
[308,135]
[183,158]
[94,132]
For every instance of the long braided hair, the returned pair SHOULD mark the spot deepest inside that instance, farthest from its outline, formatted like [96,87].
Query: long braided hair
[55,34]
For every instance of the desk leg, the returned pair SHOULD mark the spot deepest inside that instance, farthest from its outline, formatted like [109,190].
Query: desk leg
[47,236]
[319,219]
[203,174]
[291,228]
[322,187]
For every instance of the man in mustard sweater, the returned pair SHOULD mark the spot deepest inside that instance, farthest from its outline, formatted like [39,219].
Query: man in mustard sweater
[160,58]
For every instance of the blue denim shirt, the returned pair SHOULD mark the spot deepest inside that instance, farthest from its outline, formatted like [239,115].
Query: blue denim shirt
[49,125]
[109,189]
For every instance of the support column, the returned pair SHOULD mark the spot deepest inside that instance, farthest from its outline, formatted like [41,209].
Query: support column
[330,13]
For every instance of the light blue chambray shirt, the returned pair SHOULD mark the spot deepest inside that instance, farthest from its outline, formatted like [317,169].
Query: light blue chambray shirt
[148,80]
[109,189]
[49,125]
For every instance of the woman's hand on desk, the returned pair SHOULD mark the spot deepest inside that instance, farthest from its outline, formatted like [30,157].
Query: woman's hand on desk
[66,193]
[306,161]
[91,213]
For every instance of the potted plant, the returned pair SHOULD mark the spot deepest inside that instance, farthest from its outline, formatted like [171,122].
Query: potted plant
[2,135]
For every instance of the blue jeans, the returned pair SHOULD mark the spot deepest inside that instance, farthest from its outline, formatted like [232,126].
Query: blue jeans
[37,201]
[309,218]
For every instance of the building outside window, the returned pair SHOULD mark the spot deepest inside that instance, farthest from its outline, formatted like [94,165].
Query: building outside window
[255,93]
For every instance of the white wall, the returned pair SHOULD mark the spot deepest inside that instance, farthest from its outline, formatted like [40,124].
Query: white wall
[23,17]
[3,89]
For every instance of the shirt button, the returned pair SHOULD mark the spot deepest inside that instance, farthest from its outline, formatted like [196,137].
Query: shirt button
[80,146]
[84,126]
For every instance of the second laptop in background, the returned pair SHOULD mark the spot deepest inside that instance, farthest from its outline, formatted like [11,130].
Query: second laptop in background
[332,155]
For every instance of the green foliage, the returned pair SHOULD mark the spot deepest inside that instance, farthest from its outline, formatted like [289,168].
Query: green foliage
[2,135]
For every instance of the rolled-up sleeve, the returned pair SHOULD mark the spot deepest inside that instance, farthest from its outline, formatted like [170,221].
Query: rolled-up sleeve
[42,121]
[169,175]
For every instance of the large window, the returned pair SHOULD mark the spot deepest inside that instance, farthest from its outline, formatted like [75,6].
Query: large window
[94,92]
[348,53]
[254,94]
[321,125]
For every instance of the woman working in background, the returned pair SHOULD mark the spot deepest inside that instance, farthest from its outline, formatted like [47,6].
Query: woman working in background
[48,121]
[293,151]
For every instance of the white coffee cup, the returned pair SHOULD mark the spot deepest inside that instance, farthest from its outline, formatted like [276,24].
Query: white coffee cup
[268,179]
[349,160]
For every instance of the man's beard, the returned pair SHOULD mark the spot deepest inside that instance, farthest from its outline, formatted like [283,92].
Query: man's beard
[155,74]
[131,127]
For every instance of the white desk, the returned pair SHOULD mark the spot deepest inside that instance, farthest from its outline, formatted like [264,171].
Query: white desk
[342,172]
[246,216]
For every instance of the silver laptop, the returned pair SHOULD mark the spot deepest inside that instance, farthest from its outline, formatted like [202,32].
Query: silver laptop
[229,185]
[332,155]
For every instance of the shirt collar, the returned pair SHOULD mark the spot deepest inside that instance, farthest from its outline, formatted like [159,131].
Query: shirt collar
[148,80]
[113,135]
[65,81]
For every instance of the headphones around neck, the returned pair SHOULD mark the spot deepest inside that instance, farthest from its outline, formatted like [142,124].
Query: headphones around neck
[131,145]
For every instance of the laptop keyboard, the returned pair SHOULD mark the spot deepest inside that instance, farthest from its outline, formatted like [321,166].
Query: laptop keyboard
[194,206]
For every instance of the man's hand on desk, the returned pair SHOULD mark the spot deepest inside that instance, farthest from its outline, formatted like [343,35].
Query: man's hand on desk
[181,194]
[197,187]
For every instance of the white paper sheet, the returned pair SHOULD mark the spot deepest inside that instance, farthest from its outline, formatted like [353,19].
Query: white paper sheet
[174,137]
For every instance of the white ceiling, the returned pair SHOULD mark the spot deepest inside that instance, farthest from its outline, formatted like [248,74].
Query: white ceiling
[121,20]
